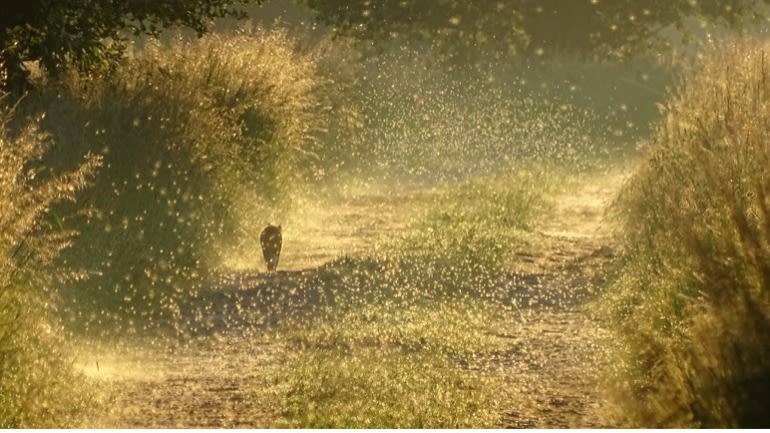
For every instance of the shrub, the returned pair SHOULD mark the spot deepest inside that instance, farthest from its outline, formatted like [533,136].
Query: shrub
[200,141]
[38,385]
[692,302]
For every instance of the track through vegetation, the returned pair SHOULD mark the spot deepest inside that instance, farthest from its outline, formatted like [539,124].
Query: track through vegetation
[222,373]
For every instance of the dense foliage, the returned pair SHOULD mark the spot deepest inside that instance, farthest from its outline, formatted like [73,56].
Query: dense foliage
[692,303]
[90,33]
[197,139]
[497,29]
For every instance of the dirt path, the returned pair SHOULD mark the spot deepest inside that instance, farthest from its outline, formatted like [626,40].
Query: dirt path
[221,378]
[556,372]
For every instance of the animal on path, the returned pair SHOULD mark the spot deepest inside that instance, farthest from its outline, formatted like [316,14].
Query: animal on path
[271,241]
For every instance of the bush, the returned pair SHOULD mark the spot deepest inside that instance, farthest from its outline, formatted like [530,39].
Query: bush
[201,140]
[692,302]
[38,384]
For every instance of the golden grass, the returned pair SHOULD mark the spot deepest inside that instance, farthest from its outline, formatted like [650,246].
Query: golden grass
[691,303]
[38,384]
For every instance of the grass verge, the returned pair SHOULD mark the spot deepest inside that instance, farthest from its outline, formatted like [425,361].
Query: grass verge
[690,304]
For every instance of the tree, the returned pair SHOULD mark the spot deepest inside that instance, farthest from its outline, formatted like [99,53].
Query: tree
[591,28]
[90,33]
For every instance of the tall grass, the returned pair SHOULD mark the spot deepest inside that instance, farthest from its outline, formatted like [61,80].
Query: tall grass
[200,140]
[692,301]
[38,384]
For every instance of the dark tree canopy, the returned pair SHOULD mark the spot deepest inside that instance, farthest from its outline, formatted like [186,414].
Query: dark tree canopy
[604,28]
[89,33]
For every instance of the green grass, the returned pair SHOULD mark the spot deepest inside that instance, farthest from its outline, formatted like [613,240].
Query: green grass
[411,334]
[379,388]
[691,304]
[397,367]
[458,249]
